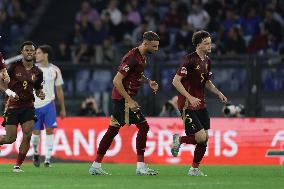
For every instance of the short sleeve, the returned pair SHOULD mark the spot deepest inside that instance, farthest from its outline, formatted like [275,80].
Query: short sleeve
[59,80]
[184,67]
[127,63]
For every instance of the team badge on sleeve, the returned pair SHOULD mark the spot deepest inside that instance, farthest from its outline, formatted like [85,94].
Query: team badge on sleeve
[126,68]
[183,70]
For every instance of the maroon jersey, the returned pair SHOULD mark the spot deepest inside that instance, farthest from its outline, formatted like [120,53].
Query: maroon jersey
[2,62]
[132,67]
[195,73]
[23,82]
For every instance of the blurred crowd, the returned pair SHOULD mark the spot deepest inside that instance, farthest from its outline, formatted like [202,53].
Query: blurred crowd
[102,28]
[14,14]
[105,28]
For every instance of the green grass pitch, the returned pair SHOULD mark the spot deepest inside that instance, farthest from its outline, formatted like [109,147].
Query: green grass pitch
[75,175]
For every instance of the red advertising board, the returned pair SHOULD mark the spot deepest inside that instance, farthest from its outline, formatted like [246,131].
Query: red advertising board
[233,141]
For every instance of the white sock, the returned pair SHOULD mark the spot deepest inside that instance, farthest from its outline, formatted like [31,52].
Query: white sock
[35,143]
[48,147]
[140,165]
[96,165]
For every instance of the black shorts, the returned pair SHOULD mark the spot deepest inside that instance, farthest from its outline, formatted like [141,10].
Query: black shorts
[18,115]
[122,114]
[195,120]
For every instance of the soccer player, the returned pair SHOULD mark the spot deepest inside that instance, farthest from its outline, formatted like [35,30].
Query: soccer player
[127,82]
[25,77]
[45,109]
[190,80]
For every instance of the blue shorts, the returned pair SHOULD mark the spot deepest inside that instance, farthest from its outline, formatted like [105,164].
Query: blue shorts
[46,117]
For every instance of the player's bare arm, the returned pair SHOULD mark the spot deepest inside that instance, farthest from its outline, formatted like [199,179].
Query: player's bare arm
[178,85]
[211,87]
[60,97]
[9,92]
[4,75]
[117,82]
[40,94]
[153,84]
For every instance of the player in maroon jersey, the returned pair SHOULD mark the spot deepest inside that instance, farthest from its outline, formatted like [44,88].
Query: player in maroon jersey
[24,78]
[4,76]
[127,82]
[192,77]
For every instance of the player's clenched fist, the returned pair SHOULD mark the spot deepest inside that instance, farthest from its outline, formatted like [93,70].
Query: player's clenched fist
[5,77]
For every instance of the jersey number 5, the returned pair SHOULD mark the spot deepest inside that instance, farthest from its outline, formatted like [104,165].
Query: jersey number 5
[25,84]
[202,77]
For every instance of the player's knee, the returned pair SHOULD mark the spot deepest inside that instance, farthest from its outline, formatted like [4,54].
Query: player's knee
[27,135]
[36,132]
[203,143]
[49,131]
[201,139]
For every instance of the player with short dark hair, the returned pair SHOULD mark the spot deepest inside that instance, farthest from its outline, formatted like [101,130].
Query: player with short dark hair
[25,77]
[127,82]
[192,77]
[45,109]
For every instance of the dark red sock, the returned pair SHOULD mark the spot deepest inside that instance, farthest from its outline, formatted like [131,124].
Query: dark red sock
[141,140]
[21,158]
[190,139]
[106,142]
[199,152]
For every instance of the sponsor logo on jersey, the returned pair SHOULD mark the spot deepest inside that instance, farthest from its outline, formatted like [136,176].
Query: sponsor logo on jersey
[18,74]
[197,67]
[183,70]
[126,68]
